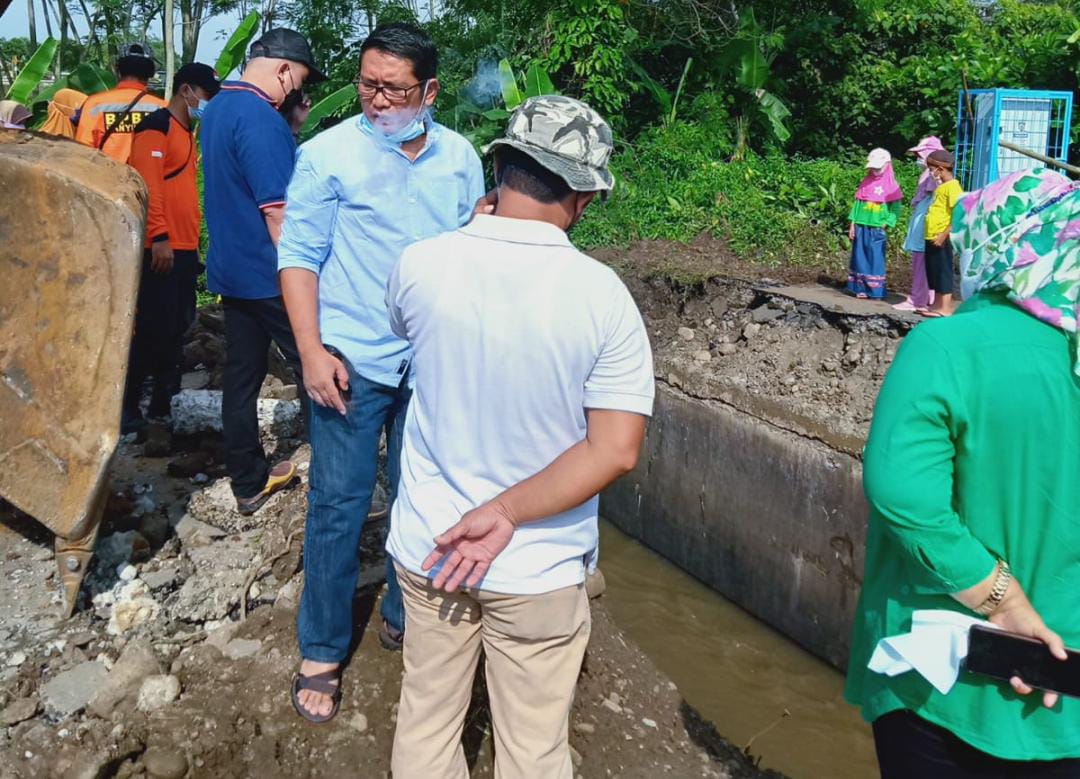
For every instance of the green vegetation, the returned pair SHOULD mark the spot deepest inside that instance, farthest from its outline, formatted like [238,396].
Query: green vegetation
[747,119]
[676,181]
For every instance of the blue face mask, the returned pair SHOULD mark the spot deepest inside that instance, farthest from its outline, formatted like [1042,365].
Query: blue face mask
[411,131]
[197,111]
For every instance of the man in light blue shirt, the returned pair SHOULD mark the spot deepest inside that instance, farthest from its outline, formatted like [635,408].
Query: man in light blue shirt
[361,193]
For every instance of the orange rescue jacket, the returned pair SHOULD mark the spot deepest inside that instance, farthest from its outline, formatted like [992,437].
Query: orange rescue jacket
[164,152]
[105,109]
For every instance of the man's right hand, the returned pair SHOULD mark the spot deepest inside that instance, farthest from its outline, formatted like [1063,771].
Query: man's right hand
[161,257]
[325,378]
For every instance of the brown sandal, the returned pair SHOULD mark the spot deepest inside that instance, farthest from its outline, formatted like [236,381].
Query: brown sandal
[321,683]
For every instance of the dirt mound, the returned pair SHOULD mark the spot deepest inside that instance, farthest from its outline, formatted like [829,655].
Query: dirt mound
[741,340]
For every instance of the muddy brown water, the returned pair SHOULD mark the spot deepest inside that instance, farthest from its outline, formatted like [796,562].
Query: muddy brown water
[735,670]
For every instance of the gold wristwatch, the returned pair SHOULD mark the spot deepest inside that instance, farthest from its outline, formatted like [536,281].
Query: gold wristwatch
[997,592]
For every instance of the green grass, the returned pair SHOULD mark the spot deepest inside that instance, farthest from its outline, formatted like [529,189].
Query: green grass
[675,182]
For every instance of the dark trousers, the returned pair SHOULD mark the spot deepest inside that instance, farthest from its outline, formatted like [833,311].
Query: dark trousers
[909,747]
[939,267]
[164,310]
[250,327]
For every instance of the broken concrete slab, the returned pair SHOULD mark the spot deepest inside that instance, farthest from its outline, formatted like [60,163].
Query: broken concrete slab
[198,411]
[70,691]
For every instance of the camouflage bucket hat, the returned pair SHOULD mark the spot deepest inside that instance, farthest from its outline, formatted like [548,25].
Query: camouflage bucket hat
[566,137]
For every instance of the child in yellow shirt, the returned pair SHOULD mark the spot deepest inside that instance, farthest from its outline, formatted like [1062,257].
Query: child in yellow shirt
[939,254]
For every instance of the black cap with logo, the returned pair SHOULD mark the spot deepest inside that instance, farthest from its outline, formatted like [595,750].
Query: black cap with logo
[285,44]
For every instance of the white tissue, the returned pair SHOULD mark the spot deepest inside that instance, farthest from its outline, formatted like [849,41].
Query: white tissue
[935,647]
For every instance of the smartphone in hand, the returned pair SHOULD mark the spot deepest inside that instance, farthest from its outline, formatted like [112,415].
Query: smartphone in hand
[1003,655]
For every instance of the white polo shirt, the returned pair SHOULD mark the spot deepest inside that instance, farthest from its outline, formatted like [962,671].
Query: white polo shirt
[515,333]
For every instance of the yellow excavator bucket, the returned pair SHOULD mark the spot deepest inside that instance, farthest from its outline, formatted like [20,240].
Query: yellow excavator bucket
[71,234]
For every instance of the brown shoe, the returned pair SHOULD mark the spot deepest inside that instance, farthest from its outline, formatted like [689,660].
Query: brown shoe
[279,478]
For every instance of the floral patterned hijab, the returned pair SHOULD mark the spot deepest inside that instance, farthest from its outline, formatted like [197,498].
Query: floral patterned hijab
[1021,234]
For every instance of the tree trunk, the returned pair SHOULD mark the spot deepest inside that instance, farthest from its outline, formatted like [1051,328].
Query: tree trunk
[92,40]
[48,20]
[58,63]
[191,13]
[167,23]
[31,18]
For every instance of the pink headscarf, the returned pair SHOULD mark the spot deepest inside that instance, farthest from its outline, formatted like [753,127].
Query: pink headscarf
[879,188]
[922,150]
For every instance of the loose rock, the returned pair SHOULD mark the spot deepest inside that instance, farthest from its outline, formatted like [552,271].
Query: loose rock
[136,663]
[18,711]
[686,334]
[133,606]
[157,692]
[240,648]
[165,763]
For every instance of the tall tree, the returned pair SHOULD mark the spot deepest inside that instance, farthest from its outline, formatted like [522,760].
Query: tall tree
[168,20]
[31,18]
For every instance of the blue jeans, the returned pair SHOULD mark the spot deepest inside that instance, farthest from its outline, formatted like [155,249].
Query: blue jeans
[344,459]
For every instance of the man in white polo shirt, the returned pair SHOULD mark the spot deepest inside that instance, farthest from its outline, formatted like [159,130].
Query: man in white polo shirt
[533,382]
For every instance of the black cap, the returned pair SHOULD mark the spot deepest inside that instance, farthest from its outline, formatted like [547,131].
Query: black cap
[285,44]
[198,75]
[136,49]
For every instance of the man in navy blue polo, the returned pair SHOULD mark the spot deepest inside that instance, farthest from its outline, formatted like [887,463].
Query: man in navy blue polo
[248,152]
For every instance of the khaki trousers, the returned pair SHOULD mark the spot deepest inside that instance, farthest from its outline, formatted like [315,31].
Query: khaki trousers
[533,645]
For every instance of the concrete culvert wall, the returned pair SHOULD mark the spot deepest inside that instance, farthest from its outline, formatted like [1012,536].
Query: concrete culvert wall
[750,478]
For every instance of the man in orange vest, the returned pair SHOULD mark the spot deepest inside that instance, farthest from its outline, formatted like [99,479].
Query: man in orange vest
[164,152]
[108,119]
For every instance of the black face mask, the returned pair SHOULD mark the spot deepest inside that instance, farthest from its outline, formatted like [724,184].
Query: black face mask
[290,103]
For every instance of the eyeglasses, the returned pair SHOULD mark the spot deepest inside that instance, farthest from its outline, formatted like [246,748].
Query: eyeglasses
[395,95]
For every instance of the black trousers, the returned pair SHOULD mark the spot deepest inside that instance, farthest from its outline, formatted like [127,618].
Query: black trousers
[939,267]
[909,747]
[250,326]
[164,310]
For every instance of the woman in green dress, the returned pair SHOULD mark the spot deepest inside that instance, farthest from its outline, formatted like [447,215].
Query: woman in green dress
[972,474]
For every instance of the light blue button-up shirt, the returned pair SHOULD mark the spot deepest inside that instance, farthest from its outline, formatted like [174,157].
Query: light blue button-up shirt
[353,205]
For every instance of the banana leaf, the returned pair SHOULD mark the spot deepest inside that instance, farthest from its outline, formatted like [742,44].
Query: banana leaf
[232,56]
[508,83]
[538,82]
[775,112]
[44,96]
[328,106]
[652,86]
[30,76]
[91,79]
[753,70]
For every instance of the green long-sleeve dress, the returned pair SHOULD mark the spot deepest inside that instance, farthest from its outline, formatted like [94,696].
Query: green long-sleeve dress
[973,454]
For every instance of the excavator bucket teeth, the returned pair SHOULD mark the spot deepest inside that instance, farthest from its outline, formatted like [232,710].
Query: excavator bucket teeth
[71,234]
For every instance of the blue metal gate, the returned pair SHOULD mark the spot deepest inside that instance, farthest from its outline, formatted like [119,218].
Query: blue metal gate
[1035,119]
